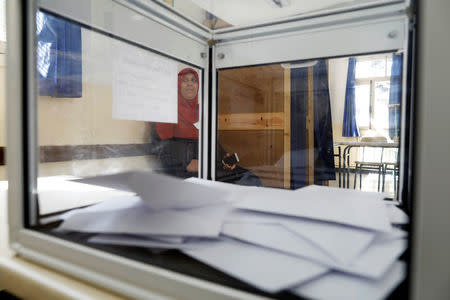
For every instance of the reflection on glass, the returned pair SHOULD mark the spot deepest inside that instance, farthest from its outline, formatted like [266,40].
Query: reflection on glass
[285,122]
[176,145]
[251,113]
[362,96]
[106,106]
[371,68]
[374,67]
[381,106]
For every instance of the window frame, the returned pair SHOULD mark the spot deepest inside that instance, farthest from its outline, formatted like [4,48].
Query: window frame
[371,81]
[112,271]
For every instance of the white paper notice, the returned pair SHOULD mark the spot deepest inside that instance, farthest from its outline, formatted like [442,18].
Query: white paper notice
[144,85]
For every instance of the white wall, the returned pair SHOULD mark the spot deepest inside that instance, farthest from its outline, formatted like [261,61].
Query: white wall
[86,120]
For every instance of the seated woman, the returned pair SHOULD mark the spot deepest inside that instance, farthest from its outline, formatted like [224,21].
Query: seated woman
[176,145]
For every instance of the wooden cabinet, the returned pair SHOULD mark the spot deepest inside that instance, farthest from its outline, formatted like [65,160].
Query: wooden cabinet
[254,120]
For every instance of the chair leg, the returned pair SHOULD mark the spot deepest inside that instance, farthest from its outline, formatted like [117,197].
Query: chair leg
[384,178]
[379,178]
[360,177]
[354,178]
[395,182]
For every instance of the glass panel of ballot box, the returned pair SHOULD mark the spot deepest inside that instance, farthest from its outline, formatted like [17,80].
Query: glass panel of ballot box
[269,174]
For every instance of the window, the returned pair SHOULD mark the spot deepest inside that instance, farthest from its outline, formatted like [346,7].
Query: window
[372,87]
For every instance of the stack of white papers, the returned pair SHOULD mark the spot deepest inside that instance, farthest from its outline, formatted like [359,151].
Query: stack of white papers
[339,286]
[306,241]
[133,216]
[75,194]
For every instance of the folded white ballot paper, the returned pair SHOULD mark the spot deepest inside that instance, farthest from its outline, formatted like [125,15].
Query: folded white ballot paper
[349,207]
[222,185]
[112,204]
[153,242]
[117,181]
[395,234]
[58,201]
[263,268]
[372,262]
[51,189]
[396,215]
[276,237]
[339,286]
[341,243]
[137,218]
[273,239]
[162,192]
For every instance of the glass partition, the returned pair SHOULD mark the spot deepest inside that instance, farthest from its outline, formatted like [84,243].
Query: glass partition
[333,122]
[105,106]
[109,103]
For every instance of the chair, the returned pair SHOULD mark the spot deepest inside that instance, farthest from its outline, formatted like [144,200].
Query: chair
[394,167]
[370,166]
[339,156]
[391,166]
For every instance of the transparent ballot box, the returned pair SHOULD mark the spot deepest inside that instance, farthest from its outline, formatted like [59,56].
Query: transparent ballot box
[189,150]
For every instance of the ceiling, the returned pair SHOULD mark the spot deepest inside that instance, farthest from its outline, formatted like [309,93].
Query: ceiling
[247,12]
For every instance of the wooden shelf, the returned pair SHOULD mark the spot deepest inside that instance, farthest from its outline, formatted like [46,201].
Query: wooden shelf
[252,121]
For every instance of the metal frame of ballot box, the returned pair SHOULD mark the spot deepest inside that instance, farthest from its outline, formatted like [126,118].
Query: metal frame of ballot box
[380,26]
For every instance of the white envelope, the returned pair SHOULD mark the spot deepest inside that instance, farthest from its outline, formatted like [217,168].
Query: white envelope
[371,263]
[276,237]
[160,191]
[395,234]
[164,192]
[265,269]
[60,193]
[222,185]
[112,204]
[339,286]
[139,219]
[117,181]
[374,262]
[396,215]
[349,207]
[136,241]
[341,243]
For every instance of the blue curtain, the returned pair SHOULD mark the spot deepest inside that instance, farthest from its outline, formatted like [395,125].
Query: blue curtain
[323,128]
[350,127]
[299,100]
[395,95]
[58,57]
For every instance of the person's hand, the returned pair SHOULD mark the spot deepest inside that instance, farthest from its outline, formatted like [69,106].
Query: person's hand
[192,166]
[227,167]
